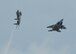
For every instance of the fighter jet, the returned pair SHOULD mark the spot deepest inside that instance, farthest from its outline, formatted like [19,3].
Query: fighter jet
[56,27]
[19,14]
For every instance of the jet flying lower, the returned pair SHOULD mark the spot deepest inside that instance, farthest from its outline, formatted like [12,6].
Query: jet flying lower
[56,27]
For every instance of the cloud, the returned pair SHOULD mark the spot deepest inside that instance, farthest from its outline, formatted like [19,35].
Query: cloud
[43,48]
[36,49]
[11,51]
[65,50]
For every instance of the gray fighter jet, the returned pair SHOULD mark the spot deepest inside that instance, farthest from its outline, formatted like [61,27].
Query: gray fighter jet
[56,27]
[19,14]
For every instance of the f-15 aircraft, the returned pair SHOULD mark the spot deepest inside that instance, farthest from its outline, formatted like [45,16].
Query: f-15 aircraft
[19,14]
[56,27]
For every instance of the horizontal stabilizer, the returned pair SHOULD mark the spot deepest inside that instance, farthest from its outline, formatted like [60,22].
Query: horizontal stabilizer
[15,19]
[50,26]
[15,24]
[58,31]
[63,27]
[50,30]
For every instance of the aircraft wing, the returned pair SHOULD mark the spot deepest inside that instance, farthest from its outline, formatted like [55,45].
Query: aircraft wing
[63,27]
[50,26]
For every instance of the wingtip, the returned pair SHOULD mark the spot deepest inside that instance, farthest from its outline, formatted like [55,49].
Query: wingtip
[50,30]
[62,19]
[48,27]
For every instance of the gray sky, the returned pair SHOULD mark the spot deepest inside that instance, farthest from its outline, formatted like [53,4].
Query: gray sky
[32,37]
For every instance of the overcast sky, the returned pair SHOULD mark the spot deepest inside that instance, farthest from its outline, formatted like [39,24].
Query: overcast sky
[32,37]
